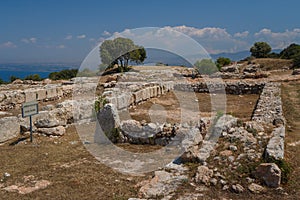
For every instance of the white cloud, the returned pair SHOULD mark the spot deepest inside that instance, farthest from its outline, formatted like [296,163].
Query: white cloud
[215,39]
[278,40]
[81,36]
[29,40]
[32,40]
[106,33]
[241,34]
[8,44]
[25,40]
[68,37]
[61,46]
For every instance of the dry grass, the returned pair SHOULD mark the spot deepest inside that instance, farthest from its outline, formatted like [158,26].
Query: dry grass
[273,64]
[240,106]
[291,108]
[72,171]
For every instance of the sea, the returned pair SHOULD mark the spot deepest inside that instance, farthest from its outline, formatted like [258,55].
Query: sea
[22,70]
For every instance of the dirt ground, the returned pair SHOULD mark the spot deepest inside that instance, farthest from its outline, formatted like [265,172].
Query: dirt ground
[240,106]
[73,173]
[291,108]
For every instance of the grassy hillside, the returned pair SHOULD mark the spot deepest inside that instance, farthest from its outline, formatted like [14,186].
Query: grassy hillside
[273,63]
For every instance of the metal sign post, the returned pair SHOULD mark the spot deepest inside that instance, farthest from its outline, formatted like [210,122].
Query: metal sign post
[29,109]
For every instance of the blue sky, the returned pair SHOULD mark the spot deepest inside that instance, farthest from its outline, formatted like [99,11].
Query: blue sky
[66,31]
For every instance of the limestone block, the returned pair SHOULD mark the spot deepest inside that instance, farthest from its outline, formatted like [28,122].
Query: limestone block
[10,128]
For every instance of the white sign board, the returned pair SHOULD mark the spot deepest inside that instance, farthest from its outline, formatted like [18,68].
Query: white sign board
[30,108]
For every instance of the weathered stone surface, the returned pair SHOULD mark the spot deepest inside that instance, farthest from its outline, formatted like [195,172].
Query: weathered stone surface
[251,68]
[109,121]
[255,188]
[190,144]
[231,69]
[224,124]
[269,106]
[40,184]
[46,119]
[163,184]
[237,188]
[269,173]
[296,72]
[254,125]
[275,147]
[132,127]
[9,128]
[55,131]
[203,175]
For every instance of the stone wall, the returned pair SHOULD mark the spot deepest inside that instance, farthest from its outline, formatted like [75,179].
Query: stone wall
[125,94]
[235,87]
[269,111]
[9,99]
[269,106]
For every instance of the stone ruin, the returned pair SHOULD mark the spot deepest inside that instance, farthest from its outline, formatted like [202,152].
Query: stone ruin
[199,140]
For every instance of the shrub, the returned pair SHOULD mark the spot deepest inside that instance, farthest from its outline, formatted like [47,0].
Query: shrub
[34,77]
[100,103]
[63,74]
[2,82]
[13,78]
[205,66]
[221,62]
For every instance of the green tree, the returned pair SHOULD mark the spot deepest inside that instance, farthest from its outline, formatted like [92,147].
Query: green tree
[120,51]
[292,52]
[13,78]
[205,66]
[1,81]
[63,74]
[260,50]
[221,62]
[34,77]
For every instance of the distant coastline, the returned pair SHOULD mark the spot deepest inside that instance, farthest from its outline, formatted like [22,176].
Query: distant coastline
[23,70]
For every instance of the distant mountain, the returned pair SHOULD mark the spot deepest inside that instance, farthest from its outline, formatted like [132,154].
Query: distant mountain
[155,56]
[233,56]
[238,55]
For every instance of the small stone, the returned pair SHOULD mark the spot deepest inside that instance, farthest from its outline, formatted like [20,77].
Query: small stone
[232,148]
[214,181]
[249,180]
[224,134]
[269,173]
[225,187]
[223,182]
[218,175]
[255,188]
[261,133]
[6,174]
[217,158]
[237,188]
[231,158]
[226,153]
[231,130]
[203,175]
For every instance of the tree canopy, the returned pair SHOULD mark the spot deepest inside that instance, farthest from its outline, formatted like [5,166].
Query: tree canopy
[260,50]
[205,66]
[120,51]
[292,52]
[63,74]
[221,62]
